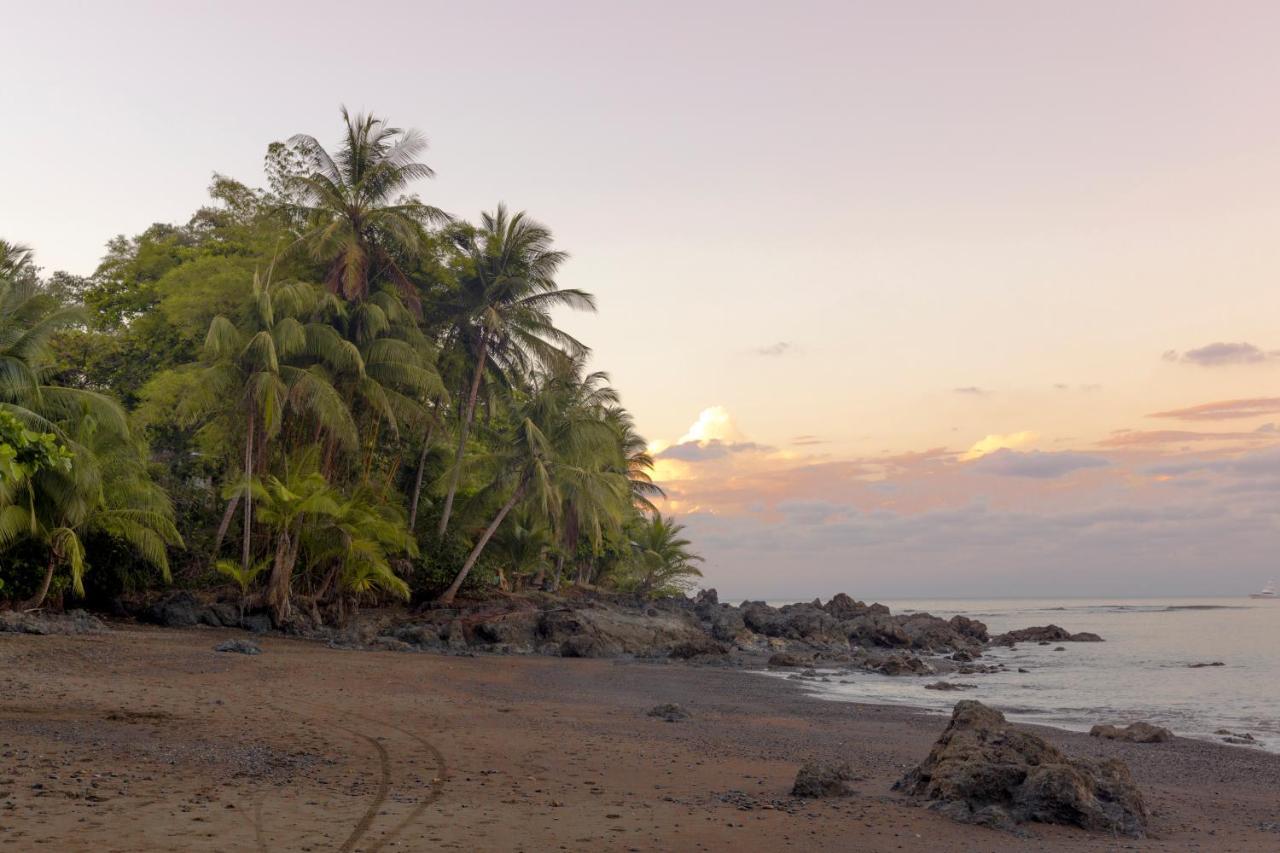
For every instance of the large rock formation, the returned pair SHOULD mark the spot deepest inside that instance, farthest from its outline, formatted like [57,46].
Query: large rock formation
[1044,634]
[982,770]
[74,622]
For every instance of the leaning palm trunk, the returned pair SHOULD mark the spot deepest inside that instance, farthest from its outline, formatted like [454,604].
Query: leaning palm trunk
[463,431]
[448,595]
[225,524]
[38,599]
[417,483]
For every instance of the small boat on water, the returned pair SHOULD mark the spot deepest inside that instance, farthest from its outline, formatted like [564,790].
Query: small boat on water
[1268,591]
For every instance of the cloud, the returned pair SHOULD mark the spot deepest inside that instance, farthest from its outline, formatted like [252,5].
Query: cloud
[1140,438]
[992,443]
[714,422]
[772,350]
[1223,410]
[972,390]
[701,451]
[807,440]
[1037,464]
[1221,354]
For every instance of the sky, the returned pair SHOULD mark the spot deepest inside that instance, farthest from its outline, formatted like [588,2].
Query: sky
[912,299]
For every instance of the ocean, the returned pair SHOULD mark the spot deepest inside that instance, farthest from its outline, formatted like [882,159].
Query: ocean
[1141,672]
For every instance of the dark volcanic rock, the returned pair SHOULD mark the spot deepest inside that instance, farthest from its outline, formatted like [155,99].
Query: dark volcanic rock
[670,712]
[1203,665]
[875,629]
[971,628]
[984,771]
[822,779]
[73,622]
[782,659]
[949,685]
[1044,634]
[900,664]
[180,610]
[1134,733]
[240,647]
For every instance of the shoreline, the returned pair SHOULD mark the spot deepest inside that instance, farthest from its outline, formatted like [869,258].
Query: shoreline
[144,738]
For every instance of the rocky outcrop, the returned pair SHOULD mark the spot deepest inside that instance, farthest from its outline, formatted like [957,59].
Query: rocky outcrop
[823,779]
[1133,733]
[1044,634]
[73,622]
[984,771]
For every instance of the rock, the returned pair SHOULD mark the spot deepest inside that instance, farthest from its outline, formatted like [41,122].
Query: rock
[180,610]
[390,644]
[1060,648]
[785,660]
[1247,740]
[240,647]
[900,664]
[1044,634]
[982,770]
[670,712]
[1203,665]
[949,685]
[843,607]
[220,614]
[962,657]
[823,779]
[258,623]
[514,628]
[726,624]
[456,636]
[72,622]
[1134,733]
[606,631]
[971,628]
[875,629]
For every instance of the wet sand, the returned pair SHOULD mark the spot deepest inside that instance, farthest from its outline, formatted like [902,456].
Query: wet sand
[146,739]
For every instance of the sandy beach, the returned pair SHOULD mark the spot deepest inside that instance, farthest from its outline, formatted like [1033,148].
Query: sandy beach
[147,739]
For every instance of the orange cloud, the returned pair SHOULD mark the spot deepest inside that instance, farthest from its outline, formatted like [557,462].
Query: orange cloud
[1224,410]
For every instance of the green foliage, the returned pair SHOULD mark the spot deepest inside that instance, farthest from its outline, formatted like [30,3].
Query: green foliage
[289,371]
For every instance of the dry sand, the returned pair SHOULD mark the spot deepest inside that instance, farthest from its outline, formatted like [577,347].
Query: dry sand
[147,739]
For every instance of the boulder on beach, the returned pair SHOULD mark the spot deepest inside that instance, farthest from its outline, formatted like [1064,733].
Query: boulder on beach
[1139,732]
[240,647]
[669,711]
[984,771]
[786,660]
[1203,665]
[949,686]
[823,779]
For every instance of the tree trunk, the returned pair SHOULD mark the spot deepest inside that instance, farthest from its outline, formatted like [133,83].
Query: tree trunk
[248,498]
[417,483]
[226,523]
[448,595]
[279,582]
[38,599]
[540,578]
[555,578]
[462,436]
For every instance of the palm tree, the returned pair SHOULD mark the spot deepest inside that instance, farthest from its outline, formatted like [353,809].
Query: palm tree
[250,363]
[545,447]
[636,461]
[501,312]
[357,219]
[17,262]
[523,545]
[105,491]
[663,560]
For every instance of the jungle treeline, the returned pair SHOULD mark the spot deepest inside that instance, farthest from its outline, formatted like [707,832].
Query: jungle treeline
[324,392]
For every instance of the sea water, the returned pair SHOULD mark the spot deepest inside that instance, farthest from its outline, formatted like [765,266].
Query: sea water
[1141,672]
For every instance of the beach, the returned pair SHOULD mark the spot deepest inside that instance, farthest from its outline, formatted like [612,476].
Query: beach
[147,739]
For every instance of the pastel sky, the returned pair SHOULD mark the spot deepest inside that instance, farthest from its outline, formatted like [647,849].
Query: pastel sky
[920,298]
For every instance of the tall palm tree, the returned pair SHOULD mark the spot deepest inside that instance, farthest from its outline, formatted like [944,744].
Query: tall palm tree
[358,219]
[17,262]
[545,447]
[501,312]
[636,460]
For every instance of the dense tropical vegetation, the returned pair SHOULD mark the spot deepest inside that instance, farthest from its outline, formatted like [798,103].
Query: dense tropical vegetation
[320,393]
